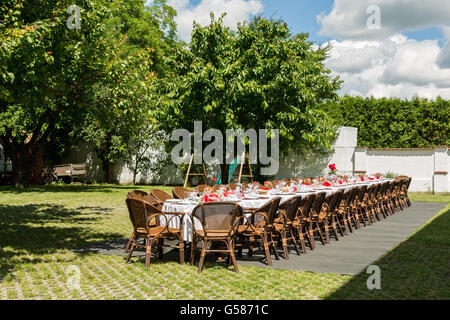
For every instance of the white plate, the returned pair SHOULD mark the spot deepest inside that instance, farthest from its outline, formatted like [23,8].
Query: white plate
[173,200]
[251,198]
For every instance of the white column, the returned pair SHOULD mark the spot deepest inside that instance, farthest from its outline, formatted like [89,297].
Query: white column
[441,167]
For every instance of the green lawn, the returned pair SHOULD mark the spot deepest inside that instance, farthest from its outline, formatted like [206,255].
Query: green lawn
[39,226]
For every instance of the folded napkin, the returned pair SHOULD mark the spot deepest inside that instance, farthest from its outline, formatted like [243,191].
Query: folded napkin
[340,182]
[210,198]
[326,184]
[266,189]
[362,179]
[371,179]
[306,184]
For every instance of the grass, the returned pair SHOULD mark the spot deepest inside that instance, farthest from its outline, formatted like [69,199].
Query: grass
[39,226]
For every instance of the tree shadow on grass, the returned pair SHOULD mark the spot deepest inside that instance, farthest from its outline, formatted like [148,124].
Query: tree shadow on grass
[417,269]
[63,188]
[39,229]
[76,188]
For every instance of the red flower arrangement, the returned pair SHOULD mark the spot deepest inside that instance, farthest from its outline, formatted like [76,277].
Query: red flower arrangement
[332,168]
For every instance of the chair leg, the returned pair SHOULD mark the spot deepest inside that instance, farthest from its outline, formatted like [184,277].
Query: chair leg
[284,242]
[348,219]
[127,247]
[327,232]
[367,214]
[148,253]
[266,249]
[362,217]
[294,241]
[202,256]
[133,244]
[344,219]
[193,248]
[310,232]
[338,224]
[274,247]
[181,251]
[233,258]
[302,239]
[317,229]
[333,227]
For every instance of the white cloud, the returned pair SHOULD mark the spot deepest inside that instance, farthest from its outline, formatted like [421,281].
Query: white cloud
[444,56]
[384,62]
[237,11]
[348,18]
[396,67]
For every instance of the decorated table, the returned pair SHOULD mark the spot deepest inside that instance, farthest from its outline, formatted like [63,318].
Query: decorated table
[246,201]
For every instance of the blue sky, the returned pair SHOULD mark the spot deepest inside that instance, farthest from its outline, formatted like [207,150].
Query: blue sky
[381,48]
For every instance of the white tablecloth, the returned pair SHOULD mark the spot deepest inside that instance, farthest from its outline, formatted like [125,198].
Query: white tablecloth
[187,207]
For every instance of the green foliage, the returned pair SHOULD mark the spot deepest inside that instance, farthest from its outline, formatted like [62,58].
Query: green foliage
[123,100]
[260,77]
[145,152]
[394,123]
[46,74]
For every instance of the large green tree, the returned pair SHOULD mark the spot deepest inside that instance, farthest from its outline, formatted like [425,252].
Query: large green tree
[260,77]
[46,74]
[143,36]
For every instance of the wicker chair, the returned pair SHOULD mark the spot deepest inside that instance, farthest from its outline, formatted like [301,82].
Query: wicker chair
[355,207]
[143,196]
[395,195]
[344,209]
[301,221]
[220,222]
[180,192]
[403,192]
[258,230]
[201,188]
[284,229]
[313,219]
[327,215]
[146,224]
[160,195]
[374,203]
[232,186]
[388,197]
[381,196]
[364,205]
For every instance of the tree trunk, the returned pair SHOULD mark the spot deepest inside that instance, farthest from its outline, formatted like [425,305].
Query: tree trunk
[27,164]
[224,168]
[107,169]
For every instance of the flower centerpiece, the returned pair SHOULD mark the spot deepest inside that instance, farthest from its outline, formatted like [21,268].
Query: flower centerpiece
[333,169]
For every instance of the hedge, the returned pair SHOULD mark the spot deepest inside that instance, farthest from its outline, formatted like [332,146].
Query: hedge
[394,123]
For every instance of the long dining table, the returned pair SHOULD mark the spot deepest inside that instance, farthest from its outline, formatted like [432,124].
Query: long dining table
[249,201]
